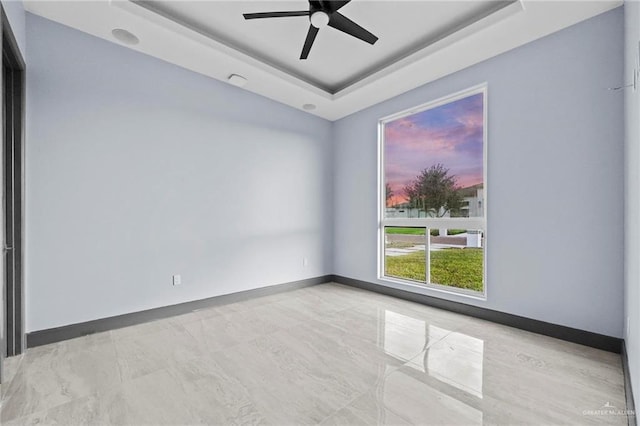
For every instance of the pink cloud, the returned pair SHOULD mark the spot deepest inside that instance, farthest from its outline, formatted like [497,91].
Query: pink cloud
[451,134]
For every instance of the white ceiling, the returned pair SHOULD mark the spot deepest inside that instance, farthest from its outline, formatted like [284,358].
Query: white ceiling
[419,41]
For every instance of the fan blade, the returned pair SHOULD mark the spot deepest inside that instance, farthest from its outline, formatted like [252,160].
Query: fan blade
[333,6]
[311,36]
[336,5]
[275,14]
[346,25]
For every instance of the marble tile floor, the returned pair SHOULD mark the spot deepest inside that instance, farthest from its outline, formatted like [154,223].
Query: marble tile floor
[326,354]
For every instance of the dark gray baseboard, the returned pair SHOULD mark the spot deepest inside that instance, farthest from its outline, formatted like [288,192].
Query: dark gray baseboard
[57,334]
[628,390]
[587,338]
[43,337]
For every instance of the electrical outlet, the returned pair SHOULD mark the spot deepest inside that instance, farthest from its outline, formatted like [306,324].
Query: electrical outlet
[177,280]
[305,262]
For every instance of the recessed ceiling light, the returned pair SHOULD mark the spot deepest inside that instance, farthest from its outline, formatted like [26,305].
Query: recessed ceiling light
[237,80]
[125,36]
[308,107]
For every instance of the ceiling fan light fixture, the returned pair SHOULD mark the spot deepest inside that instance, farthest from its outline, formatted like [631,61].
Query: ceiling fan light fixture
[319,19]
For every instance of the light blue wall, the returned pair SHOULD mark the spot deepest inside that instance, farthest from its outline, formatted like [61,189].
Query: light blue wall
[16,16]
[138,169]
[555,176]
[632,195]
[131,161]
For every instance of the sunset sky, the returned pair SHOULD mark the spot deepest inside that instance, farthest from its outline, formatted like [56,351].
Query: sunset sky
[450,134]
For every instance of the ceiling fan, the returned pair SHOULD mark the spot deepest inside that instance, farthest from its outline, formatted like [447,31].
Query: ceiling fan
[321,13]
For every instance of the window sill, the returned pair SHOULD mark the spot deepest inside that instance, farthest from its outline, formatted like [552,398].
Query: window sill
[411,285]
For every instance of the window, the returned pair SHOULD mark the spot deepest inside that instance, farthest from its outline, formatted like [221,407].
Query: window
[433,194]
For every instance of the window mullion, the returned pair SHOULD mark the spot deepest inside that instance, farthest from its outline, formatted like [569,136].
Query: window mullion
[427,255]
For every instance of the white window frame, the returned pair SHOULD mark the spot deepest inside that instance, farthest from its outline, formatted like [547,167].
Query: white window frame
[478,223]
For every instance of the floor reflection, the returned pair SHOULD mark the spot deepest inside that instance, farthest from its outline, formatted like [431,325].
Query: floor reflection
[404,337]
[443,372]
[457,361]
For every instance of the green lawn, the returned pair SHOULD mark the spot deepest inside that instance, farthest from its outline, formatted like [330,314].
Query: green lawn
[405,231]
[460,268]
[420,231]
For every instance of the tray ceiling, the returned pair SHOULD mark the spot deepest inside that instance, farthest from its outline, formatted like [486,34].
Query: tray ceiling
[336,60]
[419,41]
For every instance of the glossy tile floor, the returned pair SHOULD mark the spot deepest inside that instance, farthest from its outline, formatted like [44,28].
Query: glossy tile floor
[326,354]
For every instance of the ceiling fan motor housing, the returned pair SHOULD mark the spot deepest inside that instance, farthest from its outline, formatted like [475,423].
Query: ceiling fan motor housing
[319,19]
